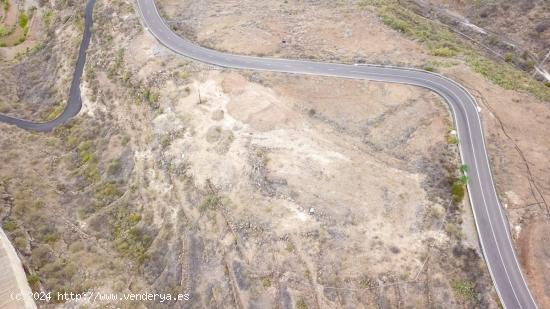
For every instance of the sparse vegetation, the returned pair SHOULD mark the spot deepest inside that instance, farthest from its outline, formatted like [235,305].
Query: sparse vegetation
[107,193]
[429,68]
[9,226]
[165,141]
[266,282]
[301,304]
[152,97]
[290,247]
[4,31]
[114,167]
[131,239]
[48,18]
[452,139]
[453,230]
[212,201]
[118,232]
[442,42]
[443,52]
[464,289]
[457,191]
[395,23]
[23,20]
[33,279]
[55,111]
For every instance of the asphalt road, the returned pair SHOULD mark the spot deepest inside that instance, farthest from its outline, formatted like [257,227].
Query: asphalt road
[491,222]
[74,103]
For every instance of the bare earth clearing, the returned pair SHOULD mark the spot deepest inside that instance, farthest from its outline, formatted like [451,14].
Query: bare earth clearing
[341,30]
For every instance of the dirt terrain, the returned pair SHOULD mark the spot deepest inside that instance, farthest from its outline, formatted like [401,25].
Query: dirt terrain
[528,35]
[51,44]
[240,188]
[326,30]
[251,189]
[516,123]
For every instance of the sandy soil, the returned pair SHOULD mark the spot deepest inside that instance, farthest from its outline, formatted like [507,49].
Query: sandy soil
[292,29]
[530,29]
[254,189]
[265,189]
[357,34]
[9,18]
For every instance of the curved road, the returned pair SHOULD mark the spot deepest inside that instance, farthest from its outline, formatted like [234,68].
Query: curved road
[491,222]
[74,103]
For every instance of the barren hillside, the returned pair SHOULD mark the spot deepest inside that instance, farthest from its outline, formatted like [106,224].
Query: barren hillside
[515,108]
[249,189]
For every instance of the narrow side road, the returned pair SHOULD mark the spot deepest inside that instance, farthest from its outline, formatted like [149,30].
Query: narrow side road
[74,102]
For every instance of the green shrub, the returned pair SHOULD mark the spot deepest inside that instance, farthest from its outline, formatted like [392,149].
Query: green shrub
[152,97]
[183,75]
[91,172]
[301,304]
[134,218]
[41,255]
[443,52]
[23,20]
[395,23]
[4,31]
[9,226]
[50,238]
[452,139]
[266,282]
[107,192]
[508,57]
[134,243]
[464,289]
[20,242]
[457,191]
[210,202]
[453,230]
[48,17]
[33,278]
[290,247]
[165,141]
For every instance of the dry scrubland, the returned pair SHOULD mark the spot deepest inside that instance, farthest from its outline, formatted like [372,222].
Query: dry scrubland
[248,189]
[515,107]
[525,42]
[264,189]
[52,38]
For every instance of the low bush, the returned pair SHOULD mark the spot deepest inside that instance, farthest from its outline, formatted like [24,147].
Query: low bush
[443,52]
[464,289]
[457,191]
[23,20]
